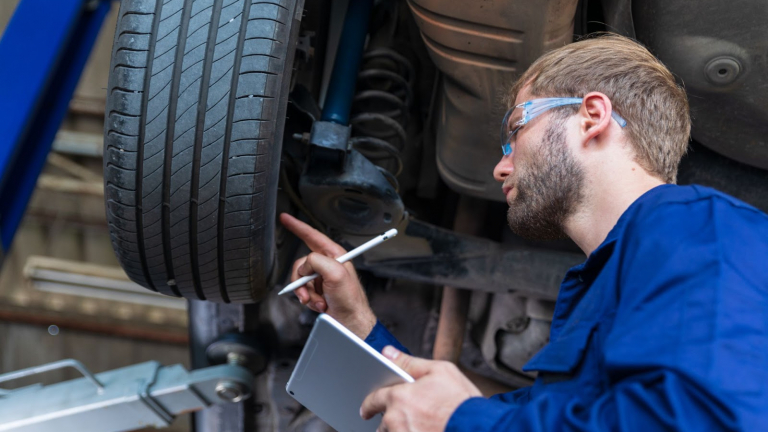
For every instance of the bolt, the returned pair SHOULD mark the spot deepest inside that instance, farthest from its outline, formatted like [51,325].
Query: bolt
[303,137]
[236,359]
[723,70]
[517,325]
[231,391]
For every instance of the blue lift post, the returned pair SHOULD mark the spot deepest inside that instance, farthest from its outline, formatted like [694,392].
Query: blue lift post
[42,55]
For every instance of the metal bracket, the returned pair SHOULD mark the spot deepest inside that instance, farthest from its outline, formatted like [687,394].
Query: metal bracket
[359,200]
[329,144]
[134,397]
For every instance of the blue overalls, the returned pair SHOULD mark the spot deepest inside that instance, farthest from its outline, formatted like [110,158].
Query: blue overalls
[663,327]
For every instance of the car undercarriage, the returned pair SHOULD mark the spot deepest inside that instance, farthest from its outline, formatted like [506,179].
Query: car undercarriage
[362,116]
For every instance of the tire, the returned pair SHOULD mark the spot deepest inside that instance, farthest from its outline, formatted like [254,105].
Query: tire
[193,133]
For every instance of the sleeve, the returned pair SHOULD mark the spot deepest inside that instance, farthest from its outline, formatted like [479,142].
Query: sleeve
[659,400]
[683,351]
[379,337]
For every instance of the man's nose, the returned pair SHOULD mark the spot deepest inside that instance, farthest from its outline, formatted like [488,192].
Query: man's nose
[503,169]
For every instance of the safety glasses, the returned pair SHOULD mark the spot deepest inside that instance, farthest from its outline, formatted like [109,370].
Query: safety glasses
[532,109]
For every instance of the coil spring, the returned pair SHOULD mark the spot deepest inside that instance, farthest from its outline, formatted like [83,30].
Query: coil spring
[380,110]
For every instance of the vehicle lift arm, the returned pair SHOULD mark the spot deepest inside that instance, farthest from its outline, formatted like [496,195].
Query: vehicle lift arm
[133,397]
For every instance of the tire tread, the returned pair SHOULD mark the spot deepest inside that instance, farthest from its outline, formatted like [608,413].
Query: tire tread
[192,127]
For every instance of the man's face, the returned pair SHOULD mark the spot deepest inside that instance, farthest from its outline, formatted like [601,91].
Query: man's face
[542,179]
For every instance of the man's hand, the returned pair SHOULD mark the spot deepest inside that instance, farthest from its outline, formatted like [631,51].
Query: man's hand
[337,291]
[425,405]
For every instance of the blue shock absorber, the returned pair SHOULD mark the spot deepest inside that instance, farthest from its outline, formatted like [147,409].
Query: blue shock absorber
[341,88]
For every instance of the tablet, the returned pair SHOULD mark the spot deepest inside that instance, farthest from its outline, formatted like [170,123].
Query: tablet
[336,371]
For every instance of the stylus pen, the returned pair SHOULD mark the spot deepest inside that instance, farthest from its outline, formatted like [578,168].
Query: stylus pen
[344,258]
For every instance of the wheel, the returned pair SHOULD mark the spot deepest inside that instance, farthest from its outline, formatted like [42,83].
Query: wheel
[194,122]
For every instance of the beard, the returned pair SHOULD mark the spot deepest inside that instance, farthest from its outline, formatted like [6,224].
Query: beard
[549,189]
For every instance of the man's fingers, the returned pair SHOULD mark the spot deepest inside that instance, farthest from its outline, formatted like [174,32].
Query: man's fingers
[414,366]
[311,294]
[328,268]
[317,285]
[317,241]
[295,269]
[375,403]
[302,294]
[316,302]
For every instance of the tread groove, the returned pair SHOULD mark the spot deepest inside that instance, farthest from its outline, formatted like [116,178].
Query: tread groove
[263,38]
[198,144]
[118,133]
[266,19]
[131,32]
[137,13]
[227,139]
[125,90]
[233,18]
[270,3]
[181,39]
[112,147]
[140,156]
[258,72]
[129,50]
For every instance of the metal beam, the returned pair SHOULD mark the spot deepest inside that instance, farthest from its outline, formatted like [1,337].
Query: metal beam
[426,253]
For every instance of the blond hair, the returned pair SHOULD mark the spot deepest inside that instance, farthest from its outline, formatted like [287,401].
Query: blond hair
[641,89]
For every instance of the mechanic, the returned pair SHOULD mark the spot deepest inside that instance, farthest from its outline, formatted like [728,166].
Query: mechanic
[663,327]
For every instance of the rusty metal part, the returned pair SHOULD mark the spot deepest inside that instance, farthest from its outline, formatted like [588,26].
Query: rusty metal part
[454,305]
[131,331]
[481,47]
[450,328]
[515,328]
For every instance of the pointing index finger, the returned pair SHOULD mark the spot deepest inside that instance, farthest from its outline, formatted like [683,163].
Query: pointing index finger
[315,240]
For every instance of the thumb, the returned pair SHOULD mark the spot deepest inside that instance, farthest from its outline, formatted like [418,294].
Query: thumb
[414,366]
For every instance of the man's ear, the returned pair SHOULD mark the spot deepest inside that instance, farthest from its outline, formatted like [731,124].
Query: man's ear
[595,115]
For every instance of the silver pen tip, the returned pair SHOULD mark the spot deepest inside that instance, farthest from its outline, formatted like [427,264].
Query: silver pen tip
[389,234]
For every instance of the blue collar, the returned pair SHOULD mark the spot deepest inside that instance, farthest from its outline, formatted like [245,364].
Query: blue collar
[579,278]
[600,255]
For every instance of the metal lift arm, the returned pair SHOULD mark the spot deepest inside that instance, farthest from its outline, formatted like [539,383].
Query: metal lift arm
[134,397]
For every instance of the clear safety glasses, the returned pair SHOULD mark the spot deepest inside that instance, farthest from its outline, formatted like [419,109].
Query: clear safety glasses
[531,110]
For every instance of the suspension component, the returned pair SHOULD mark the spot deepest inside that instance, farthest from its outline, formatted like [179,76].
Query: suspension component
[380,110]
[340,185]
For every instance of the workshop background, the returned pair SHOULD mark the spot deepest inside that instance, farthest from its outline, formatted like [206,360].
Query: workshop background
[62,292]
